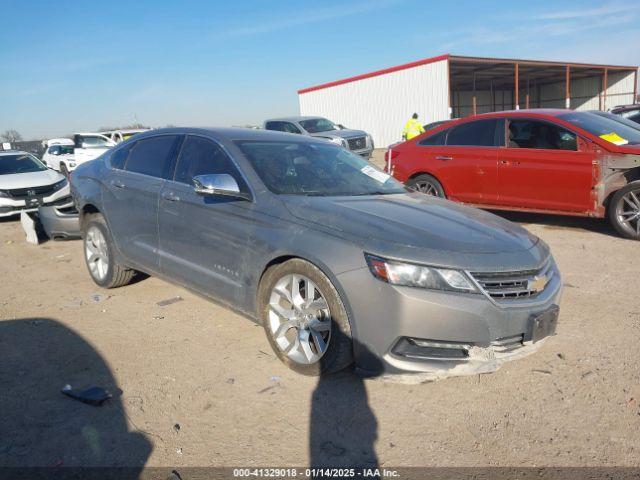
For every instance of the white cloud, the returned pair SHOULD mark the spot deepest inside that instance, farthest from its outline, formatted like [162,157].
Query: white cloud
[307,17]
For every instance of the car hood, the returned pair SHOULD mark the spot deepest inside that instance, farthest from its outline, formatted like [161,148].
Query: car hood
[26,180]
[346,133]
[420,228]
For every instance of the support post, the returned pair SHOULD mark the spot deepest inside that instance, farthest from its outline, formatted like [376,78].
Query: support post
[475,107]
[567,90]
[516,91]
[527,96]
[604,89]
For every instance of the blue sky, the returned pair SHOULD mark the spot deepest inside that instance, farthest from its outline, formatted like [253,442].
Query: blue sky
[75,66]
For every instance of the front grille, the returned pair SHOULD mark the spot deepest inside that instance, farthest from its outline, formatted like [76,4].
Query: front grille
[507,344]
[41,191]
[358,143]
[520,285]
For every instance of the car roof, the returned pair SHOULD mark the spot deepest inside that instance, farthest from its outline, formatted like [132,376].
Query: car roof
[293,119]
[12,152]
[550,112]
[231,134]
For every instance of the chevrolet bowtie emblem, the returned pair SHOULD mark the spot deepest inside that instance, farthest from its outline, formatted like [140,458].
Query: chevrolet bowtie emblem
[538,283]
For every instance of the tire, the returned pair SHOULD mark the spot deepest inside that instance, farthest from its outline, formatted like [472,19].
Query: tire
[97,242]
[426,184]
[330,323]
[624,211]
[64,170]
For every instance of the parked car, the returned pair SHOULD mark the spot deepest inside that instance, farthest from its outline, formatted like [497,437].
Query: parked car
[335,258]
[118,136]
[549,161]
[26,183]
[357,141]
[432,125]
[88,146]
[616,118]
[59,155]
[631,112]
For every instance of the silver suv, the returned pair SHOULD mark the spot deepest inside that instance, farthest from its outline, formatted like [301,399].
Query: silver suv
[357,141]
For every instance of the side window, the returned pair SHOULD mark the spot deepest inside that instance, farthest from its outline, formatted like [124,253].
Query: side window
[119,157]
[55,150]
[277,126]
[480,133]
[290,128]
[635,117]
[437,139]
[151,156]
[540,135]
[200,156]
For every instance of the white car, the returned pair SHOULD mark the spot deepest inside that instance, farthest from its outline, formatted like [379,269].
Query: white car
[26,183]
[59,155]
[89,146]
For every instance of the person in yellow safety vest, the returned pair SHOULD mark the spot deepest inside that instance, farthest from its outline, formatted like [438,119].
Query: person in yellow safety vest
[412,128]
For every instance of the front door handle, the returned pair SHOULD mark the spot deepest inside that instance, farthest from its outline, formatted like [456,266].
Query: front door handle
[506,163]
[444,158]
[117,183]
[170,197]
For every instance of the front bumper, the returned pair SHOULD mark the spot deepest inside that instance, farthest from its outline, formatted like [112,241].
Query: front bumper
[11,206]
[366,153]
[385,317]
[60,221]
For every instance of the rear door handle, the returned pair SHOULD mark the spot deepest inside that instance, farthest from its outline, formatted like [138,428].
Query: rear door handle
[170,197]
[444,158]
[117,183]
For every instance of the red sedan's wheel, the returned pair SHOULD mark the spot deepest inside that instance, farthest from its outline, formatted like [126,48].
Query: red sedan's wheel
[426,184]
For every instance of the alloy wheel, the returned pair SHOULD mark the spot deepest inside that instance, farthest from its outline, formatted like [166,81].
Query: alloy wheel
[628,212]
[427,188]
[299,319]
[97,253]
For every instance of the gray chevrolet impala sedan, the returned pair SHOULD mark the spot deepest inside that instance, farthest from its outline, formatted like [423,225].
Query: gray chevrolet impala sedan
[336,260]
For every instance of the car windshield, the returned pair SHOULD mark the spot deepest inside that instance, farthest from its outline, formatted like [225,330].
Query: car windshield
[610,130]
[316,125]
[617,118]
[316,170]
[20,163]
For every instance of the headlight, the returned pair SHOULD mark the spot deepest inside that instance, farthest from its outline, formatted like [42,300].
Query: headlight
[60,185]
[421,276]
[369,141]
[340,141]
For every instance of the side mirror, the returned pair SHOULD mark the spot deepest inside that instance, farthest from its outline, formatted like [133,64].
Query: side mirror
[218,184]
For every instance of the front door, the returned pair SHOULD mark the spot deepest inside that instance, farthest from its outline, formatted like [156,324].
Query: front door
[542,167]
[204,238]
[131,197]
[467,164]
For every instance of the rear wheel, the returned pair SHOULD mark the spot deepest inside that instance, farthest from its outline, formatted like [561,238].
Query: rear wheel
[99,257]
[426,184]
[304,318]
[624,211]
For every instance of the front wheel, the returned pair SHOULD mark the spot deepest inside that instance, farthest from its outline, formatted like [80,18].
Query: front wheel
[624,211]
[304,318]
[426,184]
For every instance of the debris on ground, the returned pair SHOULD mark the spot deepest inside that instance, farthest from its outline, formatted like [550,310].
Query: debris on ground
[98,297]
[176,427]
[231,381]
[158,317]
[95,396]
[560,356]
[76,302]
[544,372]
[179,451]
[29,227]
[275,378]
[169,301]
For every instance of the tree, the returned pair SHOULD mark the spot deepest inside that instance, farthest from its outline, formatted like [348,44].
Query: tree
[11,136]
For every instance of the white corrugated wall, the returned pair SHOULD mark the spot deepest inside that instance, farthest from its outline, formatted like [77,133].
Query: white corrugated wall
[620,89]
[381,105]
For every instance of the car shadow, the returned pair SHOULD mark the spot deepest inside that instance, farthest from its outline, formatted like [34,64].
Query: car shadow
[560,222]
[343,428]
[40,426]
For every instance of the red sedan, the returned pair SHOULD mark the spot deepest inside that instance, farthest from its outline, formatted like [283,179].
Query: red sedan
[551,161]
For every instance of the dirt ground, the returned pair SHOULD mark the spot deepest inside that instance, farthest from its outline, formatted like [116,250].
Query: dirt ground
[196,385]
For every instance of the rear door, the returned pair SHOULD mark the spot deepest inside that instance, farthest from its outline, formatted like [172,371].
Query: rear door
[467,164]
[132,194]
[542,167]
[203,238]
